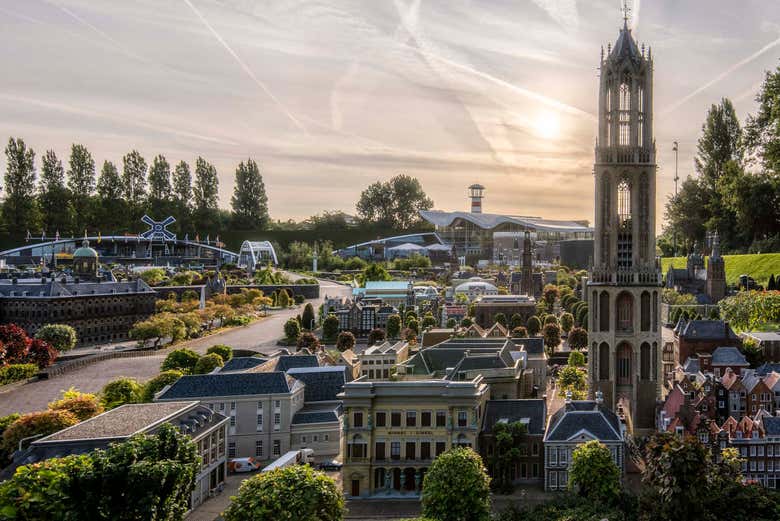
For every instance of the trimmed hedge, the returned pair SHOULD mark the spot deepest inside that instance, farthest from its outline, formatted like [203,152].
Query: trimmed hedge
[16,372]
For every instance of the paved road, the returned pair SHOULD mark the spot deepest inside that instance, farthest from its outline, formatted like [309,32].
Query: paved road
[259,335]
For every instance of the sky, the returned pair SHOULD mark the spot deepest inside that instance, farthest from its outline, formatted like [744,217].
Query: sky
[329,96]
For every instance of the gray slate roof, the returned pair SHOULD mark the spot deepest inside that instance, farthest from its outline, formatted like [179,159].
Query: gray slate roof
[586,415]
[516,410]
[692,365]
[240,363]
[707,330]
[286,362]
[532,346]
[322,383]
[729,356]
[230,384]
[72,289]
[772,425]
[766,368]
[309,415]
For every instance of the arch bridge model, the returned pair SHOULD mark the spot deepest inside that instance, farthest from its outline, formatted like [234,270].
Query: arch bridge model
[253,253]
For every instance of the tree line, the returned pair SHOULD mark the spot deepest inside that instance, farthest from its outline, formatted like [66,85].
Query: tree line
[70,198]
[736,191]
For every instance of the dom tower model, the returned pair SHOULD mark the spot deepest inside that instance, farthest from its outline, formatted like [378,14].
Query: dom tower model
[625,280]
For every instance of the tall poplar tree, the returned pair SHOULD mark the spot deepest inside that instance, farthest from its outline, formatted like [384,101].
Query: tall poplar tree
[20,212]
[182,196]
[249,201]
[160,187]
[111,210]
[206,196]
[81,182]
[53,196]
[134,184]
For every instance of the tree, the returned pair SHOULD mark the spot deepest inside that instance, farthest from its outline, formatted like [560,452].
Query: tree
[308,318]
[576,359]
[550,319]
[249,201]
[183,360]
[346,340]
[762,132]
[428,321]
[374,272]
[578,338]
[516,321]
[456,487]
[500,318]
[451,323]
[567,322]
[552,336]
[508,439]
[375,336]
[157,327]
[41,353]
[81,183]
[82,405]
[225,352]
[309,341]
[160,191]
[109,185]
[20,211]
[15,343]
[573,378]
[292,329]
[53,197]
[158,383]
[593,474]
[283,301]
[520,332]
[120,391]
[134,179]
[145,477]
[393,325]
[330,327]
[205,193]
[533,325]
[754,353]
[394,204]
[292,493]
[549,295]
[61,337]
[36,423]
[466,322]
[207,363]
[414,325]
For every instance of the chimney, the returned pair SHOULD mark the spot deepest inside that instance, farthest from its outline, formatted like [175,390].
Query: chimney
[475,194]
[599,397]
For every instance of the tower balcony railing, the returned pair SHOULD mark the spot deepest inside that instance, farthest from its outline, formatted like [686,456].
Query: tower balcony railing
[624,277]
[620,154]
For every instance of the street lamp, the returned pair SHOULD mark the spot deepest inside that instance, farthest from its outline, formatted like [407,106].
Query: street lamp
[676,178]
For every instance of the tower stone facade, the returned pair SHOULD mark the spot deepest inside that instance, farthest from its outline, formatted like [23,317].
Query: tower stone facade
[624,286]
[715,285]
[527,270]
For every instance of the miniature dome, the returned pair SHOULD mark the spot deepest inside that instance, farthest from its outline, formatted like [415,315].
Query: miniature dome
[85,251]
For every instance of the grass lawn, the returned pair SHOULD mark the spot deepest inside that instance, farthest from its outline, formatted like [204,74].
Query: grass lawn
[758,265]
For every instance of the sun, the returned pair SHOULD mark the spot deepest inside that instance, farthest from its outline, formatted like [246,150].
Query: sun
[547,125]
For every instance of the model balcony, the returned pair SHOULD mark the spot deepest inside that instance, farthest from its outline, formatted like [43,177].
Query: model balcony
[630,277]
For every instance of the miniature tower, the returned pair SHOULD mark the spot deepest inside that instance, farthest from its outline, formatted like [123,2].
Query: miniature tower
[526,270]
[475,194]
[715,285]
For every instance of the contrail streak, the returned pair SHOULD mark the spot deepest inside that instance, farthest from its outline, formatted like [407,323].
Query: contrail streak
[114,118]
[246,69]
[563,107]
[721,76]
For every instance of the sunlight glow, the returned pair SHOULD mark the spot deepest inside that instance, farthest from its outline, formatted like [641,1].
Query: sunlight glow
[547,125]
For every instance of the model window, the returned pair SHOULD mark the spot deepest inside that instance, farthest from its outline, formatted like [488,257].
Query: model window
[395,419]
[357,419]
[425,419]
[441,418]
[462,418]
[381,419]
[411,418]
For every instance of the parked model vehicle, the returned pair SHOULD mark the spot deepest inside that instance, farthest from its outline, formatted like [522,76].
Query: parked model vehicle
[330,466]
[243,465]
[294,457]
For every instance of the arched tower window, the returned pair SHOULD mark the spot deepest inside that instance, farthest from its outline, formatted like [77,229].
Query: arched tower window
[624,307]
[624,114]
[595,314]
[604,361]
[623,365]
[644,361]
[645,311]
[604,311]
[640,103]
[624,201]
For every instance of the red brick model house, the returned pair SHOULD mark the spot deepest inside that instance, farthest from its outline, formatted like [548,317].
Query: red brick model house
[702,337]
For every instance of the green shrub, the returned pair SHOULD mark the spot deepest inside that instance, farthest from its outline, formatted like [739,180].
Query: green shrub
[82,405]
[119,392]
[238,320]
[299,299]
[293,493]
[34,423]
[345,340]
[16,372]
[292,329]
[61,337]
[183,360]
[156,384]
[330,327]
[225,352]
[456,487]
[189,295]
[208,363]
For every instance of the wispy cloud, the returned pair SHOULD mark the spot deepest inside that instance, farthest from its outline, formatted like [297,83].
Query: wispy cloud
[246,68]
[721,76]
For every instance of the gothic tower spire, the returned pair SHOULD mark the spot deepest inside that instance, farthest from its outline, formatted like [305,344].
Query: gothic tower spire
[624,281]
